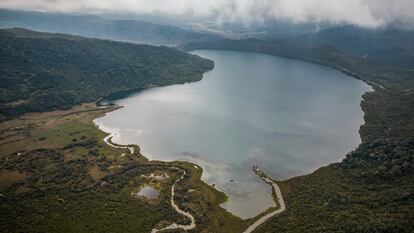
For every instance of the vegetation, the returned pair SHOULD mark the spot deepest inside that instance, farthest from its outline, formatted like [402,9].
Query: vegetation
[57,185]
[372,189]
[390,45]
[43,72]
[57,175]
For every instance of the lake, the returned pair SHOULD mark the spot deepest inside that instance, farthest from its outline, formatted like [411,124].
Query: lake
[287,116]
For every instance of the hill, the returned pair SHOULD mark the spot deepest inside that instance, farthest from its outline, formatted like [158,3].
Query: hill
[97,27]
[43,71]
[385,45]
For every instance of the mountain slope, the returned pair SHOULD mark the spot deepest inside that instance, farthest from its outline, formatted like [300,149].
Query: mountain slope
[97,27]
[386,45]
[42,71]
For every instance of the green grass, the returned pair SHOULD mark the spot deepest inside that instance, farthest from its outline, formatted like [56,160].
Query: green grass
[64,188]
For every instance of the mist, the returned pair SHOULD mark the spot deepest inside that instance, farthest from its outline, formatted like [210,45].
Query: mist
[364,13]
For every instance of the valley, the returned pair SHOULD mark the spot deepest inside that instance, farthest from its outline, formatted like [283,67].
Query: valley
[138,117]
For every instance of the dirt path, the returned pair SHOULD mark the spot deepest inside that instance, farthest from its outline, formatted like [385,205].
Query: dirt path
[192,224]
[281,202]
[375,84]
[178,210]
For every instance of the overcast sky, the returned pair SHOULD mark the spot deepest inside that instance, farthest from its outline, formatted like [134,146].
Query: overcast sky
[367,13]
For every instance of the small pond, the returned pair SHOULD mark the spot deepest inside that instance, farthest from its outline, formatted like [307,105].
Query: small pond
[148,192]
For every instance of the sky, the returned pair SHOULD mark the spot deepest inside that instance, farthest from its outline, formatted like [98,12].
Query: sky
[365,13]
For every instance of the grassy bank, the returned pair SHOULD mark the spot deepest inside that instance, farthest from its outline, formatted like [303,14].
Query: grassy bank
[59,176]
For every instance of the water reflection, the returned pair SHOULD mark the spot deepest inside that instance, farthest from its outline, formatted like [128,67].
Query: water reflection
[286,116]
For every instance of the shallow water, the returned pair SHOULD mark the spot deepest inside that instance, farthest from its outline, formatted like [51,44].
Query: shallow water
[286,116]
[148,192]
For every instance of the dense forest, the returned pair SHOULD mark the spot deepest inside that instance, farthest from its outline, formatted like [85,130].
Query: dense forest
[42,71]
[372,189]
[390,45]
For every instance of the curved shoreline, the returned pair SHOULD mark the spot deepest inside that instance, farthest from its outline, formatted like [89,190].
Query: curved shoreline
[192,225]
[280,200]
[173,226]
[108,141]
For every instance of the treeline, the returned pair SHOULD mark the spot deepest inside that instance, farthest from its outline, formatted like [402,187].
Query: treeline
[42,71]
[388,45]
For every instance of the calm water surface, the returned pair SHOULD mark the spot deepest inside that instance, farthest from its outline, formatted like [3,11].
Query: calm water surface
[149,192]
[286,116]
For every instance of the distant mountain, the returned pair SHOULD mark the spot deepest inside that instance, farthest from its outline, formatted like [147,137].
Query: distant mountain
[44,71]
[94,26]
[385,45]
[264,30]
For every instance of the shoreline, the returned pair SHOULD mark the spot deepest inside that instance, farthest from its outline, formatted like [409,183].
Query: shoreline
[113,132]
[177,209]
[373,86]
[275,189]
[340,69]
[108,140]
[251,227]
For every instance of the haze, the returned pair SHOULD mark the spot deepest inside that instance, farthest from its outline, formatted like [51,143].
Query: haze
[365,13]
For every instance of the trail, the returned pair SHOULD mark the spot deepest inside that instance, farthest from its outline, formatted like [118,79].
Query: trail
[178,210]
[281,202]
[251,228]
[375,84]
[190,226]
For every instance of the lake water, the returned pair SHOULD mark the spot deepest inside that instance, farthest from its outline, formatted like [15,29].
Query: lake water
[287,116]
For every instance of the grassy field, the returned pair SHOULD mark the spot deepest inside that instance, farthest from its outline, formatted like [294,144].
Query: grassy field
[57,175]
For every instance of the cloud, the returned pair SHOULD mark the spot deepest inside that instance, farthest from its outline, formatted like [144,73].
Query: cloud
[367,13]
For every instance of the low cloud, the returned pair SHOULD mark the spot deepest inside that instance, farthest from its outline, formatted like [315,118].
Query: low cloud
[366,13]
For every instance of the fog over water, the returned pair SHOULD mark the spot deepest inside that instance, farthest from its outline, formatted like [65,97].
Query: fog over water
[287,116]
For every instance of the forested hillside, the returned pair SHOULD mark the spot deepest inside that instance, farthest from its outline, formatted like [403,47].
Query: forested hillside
[386,45]
[42,71]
